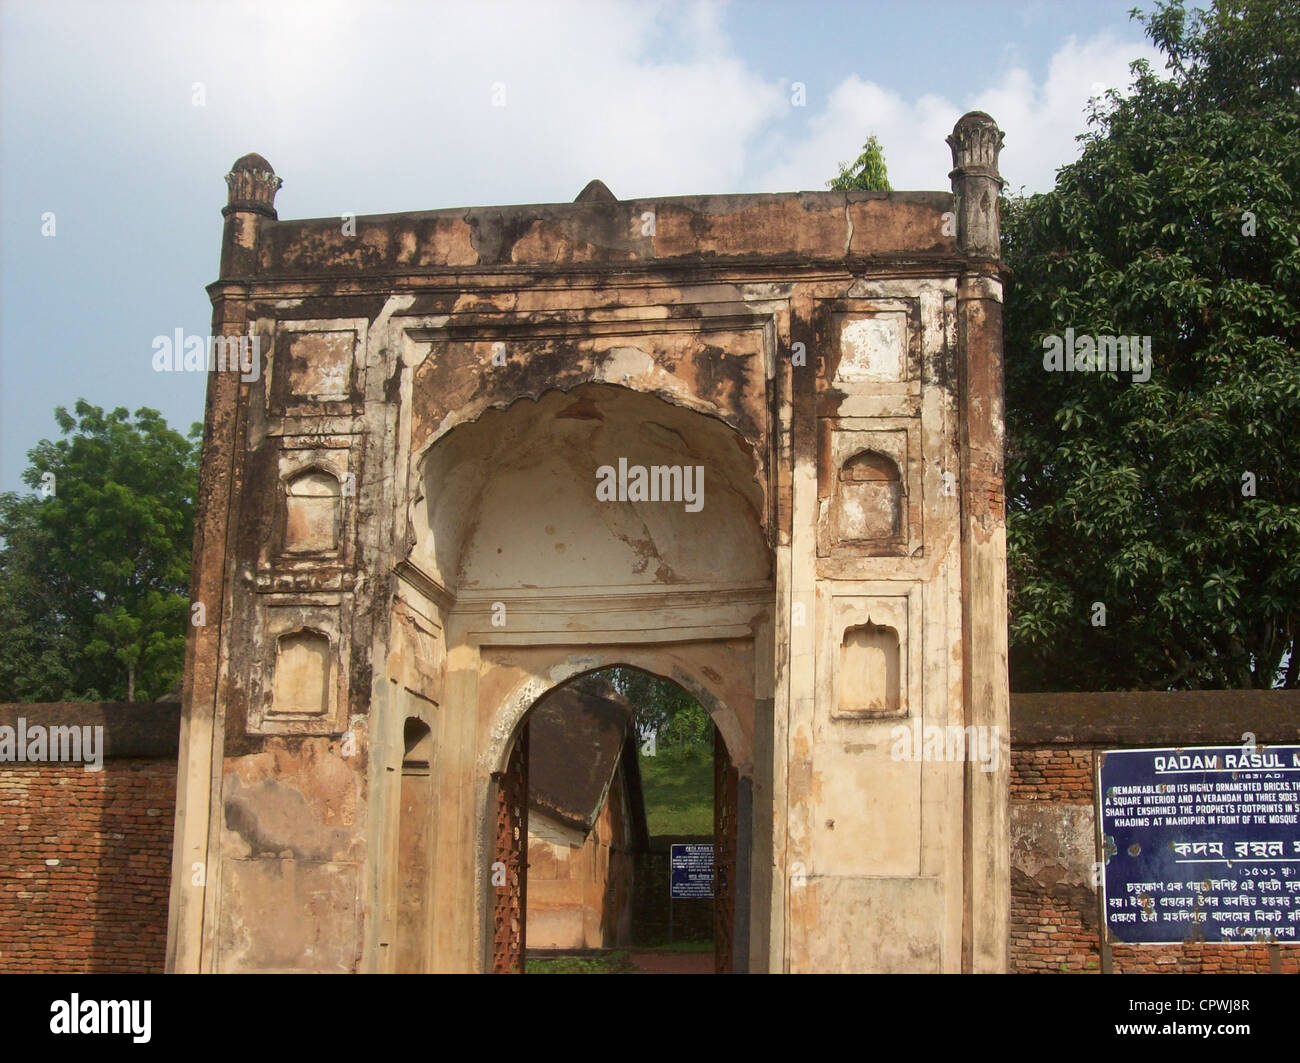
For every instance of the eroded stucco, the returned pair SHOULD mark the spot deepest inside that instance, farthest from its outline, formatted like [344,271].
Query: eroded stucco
[463,376]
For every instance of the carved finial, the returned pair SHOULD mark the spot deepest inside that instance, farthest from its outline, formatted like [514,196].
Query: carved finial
[975,142]
[252,185]
[976,184]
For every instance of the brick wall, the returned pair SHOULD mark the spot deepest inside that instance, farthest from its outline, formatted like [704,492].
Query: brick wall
[85,857]
[1051,775]
[1054,914]
[1055,739]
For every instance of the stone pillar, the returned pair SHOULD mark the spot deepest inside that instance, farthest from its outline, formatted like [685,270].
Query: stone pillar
[975,142]
[252,186]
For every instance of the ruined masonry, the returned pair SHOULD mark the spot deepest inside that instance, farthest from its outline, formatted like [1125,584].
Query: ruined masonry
[400,549]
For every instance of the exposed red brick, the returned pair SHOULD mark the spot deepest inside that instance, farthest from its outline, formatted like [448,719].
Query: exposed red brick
[103,907]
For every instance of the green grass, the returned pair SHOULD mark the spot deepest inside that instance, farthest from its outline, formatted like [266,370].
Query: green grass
[678,791]
[607,963]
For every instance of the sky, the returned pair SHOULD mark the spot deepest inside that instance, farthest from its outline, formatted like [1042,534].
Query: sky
[119,121]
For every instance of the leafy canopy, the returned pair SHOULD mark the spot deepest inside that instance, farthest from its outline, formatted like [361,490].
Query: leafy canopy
[95,566]
[680,724]
[1171,503]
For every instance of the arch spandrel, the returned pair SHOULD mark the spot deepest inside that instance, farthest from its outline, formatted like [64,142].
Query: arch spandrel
[718,366]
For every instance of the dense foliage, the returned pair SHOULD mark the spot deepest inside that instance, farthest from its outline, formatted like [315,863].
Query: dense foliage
[680,724]
[95,565]
[1154,526]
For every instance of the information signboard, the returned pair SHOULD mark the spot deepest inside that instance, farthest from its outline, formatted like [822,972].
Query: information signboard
[691,872]
[1201,844]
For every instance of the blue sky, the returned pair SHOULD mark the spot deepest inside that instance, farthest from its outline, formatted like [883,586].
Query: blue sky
[377,107]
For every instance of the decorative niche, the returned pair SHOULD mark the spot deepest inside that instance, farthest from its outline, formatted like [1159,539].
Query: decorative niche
[867,483]
[311,530]
[301,686]
[873,348]
[300,675]
[312,512]
[317,366]
[869,500]
[877,348]
[869,671]
[870,655]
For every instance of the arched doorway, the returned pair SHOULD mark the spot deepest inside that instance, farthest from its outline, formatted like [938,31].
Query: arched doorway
[512,797]
[577,530]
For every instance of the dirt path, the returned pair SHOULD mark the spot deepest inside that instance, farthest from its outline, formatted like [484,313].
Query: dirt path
[673,962]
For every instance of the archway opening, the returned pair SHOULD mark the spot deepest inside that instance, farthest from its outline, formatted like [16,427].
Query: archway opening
[626,853]
[558,535]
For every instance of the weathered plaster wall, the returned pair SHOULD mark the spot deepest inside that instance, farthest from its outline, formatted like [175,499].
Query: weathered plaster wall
[459,375]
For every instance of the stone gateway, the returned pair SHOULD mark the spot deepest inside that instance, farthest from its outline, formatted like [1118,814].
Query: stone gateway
[401,548]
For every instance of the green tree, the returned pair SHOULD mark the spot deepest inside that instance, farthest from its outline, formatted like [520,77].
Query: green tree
[1171,504]
[865,174]
[95,566]
[681,725]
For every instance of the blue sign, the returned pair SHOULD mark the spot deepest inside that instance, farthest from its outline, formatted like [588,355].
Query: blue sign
[690,872]
[1201,844]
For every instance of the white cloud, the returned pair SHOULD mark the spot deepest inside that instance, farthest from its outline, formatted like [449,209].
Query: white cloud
[1040,122]
[393,101]
[387,106]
